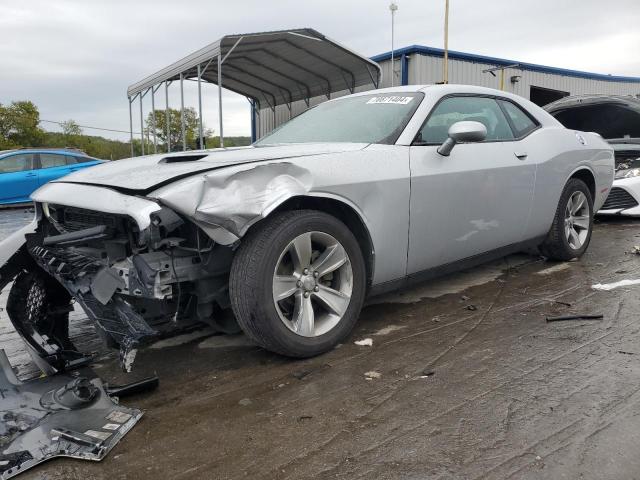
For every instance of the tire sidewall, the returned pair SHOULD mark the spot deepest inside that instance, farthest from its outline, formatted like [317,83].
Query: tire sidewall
[573,186]
[299,345]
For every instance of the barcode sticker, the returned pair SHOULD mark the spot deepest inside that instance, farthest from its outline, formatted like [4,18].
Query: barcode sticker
[395,99]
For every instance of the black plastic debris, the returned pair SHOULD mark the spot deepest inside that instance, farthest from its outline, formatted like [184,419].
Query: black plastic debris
[63,415]
[575,317]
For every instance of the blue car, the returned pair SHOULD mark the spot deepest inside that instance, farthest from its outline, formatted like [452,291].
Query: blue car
[25,170]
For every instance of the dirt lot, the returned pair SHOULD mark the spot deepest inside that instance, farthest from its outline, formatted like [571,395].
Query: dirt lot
[473,383]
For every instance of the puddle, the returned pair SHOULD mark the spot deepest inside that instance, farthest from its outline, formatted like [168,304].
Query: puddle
[554,269]
[226,341]
[182,339]
[454,283]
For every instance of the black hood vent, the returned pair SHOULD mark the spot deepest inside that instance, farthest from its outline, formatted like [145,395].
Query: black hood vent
[182,158]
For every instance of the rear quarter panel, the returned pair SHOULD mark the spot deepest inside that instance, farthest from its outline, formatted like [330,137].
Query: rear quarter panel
[559,154]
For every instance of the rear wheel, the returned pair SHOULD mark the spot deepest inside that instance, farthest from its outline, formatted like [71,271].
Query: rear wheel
[570,232]
[298,282]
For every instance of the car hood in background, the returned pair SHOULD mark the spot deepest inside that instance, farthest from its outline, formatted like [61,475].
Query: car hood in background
[143,174]
[614,117]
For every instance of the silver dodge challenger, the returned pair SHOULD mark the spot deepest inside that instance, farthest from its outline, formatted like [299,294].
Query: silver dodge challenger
[360,195]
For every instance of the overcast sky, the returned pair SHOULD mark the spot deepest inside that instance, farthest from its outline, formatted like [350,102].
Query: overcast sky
[75,58]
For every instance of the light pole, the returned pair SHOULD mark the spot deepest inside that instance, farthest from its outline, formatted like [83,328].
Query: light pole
[393,7]
[445,64]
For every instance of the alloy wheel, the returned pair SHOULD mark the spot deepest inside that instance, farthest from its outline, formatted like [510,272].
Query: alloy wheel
[312,284]
[577,220]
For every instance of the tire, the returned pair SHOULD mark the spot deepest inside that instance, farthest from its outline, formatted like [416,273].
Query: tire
[561,244]
[272,248]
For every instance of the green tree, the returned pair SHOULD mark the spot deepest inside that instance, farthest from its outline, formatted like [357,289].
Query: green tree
[19,125]
[71,128]
[191,123]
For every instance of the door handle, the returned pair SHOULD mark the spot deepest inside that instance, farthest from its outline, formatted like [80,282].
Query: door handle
[31,175]
[521,155]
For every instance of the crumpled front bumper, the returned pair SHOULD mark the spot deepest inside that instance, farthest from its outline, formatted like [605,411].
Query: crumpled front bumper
[63,415]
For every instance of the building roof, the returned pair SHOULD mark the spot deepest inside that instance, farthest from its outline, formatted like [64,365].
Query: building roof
[470,57]
[273,68]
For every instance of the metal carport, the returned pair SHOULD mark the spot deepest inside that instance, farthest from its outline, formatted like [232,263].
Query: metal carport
[269,68]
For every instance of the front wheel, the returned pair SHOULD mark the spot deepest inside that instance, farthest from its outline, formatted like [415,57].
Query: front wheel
[570,232]
[298,282]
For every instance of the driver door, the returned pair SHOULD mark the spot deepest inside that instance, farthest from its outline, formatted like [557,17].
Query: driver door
[473,201]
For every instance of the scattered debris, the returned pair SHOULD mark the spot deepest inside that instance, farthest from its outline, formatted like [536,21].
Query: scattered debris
[611,286]
[66,414]
[300,374]
[244,402]
[472,308]
[464,298]
[365,342]
[575,317]
[427,373]
[141,386]
[636,249]
[436,319]
[625,353]
[387,330]
[371,375]
[302,418]
[559,302]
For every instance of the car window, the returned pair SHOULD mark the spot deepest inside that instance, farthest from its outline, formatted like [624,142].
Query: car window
[456,109]
[522,123]
[16,163]
[48,160]
[71,160]
[378,118]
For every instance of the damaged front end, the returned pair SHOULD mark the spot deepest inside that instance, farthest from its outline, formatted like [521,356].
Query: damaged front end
[137,285]
[141,267]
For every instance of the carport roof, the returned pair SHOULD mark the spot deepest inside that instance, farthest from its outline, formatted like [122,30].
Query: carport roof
[274,67]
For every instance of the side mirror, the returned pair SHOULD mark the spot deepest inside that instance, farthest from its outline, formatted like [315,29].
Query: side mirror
[463,132]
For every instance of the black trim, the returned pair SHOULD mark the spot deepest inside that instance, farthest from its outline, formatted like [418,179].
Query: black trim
[414,143]
[447,268]
[79,236]
[500,101]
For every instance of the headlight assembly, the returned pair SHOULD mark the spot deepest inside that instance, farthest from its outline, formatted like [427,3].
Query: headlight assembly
[630,173]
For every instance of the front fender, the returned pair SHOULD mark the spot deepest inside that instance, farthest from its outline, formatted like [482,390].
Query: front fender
[226,203]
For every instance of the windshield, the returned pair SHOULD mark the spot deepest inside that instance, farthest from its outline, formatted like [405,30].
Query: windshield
[362,119]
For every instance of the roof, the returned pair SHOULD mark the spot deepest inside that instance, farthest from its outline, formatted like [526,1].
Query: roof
[70,151]
[470,57]
[273,67]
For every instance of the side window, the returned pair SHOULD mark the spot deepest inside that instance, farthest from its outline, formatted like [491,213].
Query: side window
[16,163]
[456,109]
[48,160]
[522,123]
[73,160]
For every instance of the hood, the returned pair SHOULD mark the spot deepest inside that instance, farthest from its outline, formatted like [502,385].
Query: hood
[144,174]
[611,116]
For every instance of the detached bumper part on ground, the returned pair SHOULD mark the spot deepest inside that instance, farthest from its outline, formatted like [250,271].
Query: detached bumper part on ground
[63,415]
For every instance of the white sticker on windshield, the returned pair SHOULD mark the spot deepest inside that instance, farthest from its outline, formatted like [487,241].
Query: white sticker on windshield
[391,99]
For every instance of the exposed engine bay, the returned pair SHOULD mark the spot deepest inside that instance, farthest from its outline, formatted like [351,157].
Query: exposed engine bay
[137,286]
